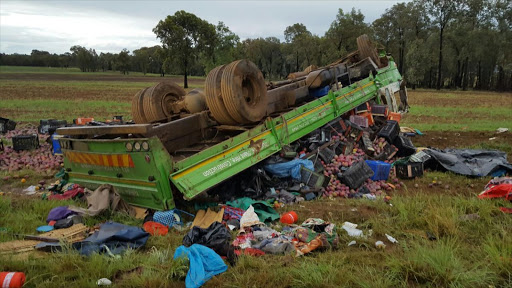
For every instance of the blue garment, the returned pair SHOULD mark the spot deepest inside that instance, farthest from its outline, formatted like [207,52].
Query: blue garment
[166,218]
[114,238]
[204,264]
[290,168]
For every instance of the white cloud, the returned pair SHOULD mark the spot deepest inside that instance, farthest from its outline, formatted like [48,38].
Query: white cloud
[109,26]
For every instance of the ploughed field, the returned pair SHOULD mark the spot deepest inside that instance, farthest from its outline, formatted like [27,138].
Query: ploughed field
[468,252]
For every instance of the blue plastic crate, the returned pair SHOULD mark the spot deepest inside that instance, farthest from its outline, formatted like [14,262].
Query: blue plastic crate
[380,170]
[319,92]
[56,144]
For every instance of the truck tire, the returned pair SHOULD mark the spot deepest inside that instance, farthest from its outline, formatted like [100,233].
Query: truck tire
[366,49]
[213,95]
[244,91]
[158,98]
[137,107]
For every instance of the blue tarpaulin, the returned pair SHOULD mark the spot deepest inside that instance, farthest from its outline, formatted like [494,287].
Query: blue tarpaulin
[290,168]
[204,264]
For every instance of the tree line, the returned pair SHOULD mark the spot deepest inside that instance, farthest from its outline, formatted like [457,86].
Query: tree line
[457,44]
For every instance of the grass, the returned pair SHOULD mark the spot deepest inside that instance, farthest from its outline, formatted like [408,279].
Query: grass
[474,253]
[458,110]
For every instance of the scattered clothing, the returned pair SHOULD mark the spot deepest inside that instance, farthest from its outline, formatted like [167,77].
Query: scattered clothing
[204,264]
[216,237]
[103,198]
[278,245]
[250,218]
[58,213]
[113,238]
[264,210]
[232,213]
[74,193]
[289,169]
[204,218]
[250,252]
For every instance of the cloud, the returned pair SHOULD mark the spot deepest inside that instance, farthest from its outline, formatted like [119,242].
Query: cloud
[109,26]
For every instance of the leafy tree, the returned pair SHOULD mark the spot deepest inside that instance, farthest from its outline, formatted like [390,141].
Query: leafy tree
[344,31]
[443,13]
[123,61]
[185,36]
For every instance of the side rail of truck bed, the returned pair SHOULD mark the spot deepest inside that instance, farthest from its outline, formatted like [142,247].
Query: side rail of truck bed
[207,168]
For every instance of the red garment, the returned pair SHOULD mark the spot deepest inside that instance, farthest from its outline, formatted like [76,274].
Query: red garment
[73,193]
[155,228]
[506,210]
[498,191]
[250,252]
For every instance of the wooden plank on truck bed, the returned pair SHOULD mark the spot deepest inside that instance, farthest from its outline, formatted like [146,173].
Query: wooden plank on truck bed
[106,130]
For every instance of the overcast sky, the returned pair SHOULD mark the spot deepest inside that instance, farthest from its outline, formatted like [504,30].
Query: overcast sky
[110,26]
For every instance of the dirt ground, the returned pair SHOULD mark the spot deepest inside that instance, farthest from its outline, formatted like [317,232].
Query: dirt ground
[452,139]
[90,77]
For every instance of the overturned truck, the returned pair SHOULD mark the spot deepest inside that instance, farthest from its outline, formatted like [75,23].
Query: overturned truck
[187,143]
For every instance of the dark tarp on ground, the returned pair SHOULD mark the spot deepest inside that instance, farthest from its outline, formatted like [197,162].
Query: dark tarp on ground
[112,238]
[115,236]
[469,162]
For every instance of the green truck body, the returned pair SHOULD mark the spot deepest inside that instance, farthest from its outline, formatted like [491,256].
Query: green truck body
[145,174]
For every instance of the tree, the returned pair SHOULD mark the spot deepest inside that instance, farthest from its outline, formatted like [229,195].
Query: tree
[141,59]
[123,61]
[185,36]
[345,29]
[297,37]
[443,12]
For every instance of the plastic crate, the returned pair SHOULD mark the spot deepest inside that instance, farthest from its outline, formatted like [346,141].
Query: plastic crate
[369,116]
[6,125]
[390,131]
[367,143]
[380,110]
[409,170]
[313,179]
[356,175]
[50,125]
[56,149]
[25,142]
[82,121]
[365,107]
[419,157]
[395,116]
[405,146]
[319,92]
[380,170]
[359,120]
[326,154]
[316,162]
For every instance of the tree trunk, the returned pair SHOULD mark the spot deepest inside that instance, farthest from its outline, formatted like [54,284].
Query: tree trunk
[478,76]
[297,63]
[440,64]
[465,77]
[185,80]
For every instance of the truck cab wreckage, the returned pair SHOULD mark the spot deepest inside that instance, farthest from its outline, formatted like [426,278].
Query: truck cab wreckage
[190,142]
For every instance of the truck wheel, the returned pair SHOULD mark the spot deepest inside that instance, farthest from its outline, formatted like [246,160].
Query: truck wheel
[158,99]
[213,95]
[244,91]
[366,49]
[137,107]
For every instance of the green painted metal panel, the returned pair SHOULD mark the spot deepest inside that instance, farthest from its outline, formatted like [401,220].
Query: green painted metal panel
[212,166]
[140,177]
